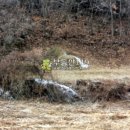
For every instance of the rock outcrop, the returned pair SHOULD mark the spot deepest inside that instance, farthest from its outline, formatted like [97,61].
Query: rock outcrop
[5,94]
[52,90]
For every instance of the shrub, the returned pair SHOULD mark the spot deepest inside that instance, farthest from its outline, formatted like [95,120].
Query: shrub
[15,68]
[54,53]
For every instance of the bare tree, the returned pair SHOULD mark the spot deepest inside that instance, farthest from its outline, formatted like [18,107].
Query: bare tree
[112,20]
[120,17]
[44,8]
[91,18]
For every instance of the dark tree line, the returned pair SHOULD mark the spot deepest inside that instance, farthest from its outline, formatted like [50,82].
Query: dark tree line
[14,22]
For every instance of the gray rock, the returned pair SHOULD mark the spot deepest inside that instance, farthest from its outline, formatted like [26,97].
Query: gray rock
[7,95]
[58,92]
[1,92]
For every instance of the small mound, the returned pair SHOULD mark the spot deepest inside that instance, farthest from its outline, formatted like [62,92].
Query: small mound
[102,90]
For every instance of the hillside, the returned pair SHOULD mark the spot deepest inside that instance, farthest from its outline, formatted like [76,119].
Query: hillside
[64,64]
[89,37]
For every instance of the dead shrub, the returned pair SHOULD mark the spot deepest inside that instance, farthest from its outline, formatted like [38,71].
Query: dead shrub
[16,67]
[117,93]
[69,31]
[54,53]
[102,90]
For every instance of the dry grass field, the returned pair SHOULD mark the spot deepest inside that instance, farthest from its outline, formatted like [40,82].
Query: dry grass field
[97,31]
[122,73]
[28,115]
[39,115]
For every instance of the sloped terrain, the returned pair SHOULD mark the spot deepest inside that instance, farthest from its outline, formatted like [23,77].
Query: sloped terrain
[28,29]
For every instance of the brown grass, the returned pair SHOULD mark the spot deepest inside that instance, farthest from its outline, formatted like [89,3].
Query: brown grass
[43,116]
[93,72]
[18,66]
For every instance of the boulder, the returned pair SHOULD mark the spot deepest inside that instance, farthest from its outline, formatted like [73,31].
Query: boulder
[5,94]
